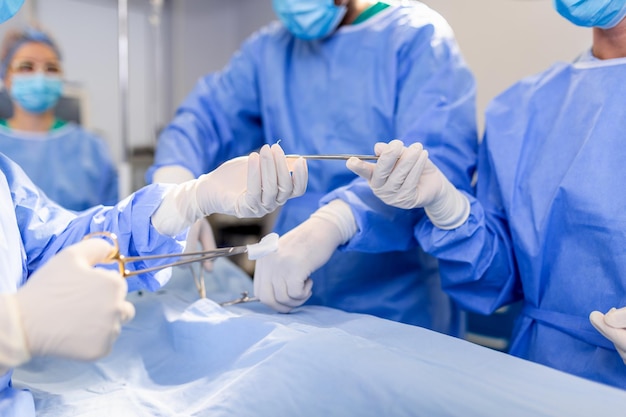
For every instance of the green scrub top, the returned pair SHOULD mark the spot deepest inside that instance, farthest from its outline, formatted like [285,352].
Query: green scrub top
[58,123]
[370,11]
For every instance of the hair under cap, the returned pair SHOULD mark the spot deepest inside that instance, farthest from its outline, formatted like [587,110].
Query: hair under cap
[13,40]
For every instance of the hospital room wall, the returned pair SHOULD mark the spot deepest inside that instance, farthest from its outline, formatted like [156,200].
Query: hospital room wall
[205,34]
[506,40]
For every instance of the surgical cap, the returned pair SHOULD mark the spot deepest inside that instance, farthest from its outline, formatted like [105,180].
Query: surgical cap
[14,40]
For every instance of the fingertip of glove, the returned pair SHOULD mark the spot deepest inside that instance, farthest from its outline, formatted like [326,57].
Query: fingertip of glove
[299,167]
[396,144]
[360,168]
[128,312]
[594,315]
[253,156]
[616,318]
[276,306]
[352,161]
[355,163]
[597,320]
[277,149]
[379,148]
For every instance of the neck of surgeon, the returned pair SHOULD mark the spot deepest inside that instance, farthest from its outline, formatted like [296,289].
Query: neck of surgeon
[610,43]
[31,122]
[353,9]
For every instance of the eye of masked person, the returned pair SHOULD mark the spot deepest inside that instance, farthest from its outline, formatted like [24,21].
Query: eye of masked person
[31,66]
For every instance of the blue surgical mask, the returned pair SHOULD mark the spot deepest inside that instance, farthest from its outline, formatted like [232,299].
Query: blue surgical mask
[36,93]
[309,19]
[8,8]
[604,14]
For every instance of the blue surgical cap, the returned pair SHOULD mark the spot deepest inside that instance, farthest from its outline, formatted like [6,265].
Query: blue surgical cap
[26,36]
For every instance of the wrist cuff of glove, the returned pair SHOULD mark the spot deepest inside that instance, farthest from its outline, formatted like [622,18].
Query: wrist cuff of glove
[13,346]
[178,210]
[172,174]
[339,213]
[451,211]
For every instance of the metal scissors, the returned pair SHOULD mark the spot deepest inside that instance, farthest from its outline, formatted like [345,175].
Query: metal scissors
[341,157]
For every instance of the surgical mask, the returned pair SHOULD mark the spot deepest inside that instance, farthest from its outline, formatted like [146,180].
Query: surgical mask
[8,8]
[604,14]
[309,19]
[36,93]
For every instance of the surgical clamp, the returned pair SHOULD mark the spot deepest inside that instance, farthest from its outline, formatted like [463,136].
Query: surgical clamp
[122,260]
[243,299]
[268,244]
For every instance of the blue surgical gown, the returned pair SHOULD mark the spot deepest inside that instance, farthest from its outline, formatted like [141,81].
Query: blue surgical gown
[33,228]
[398,74]
[72,166]
[548,224]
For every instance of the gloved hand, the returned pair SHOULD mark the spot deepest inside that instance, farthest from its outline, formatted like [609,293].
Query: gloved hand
[172,174]
[281,279]
[70,309]
[612,325]
[249,186]
[201,238]
[252,186]
[406,178]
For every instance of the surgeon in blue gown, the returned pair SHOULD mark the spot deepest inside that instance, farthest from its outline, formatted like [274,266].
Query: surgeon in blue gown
[61,306]
[335,77]
[71,165]
[547,225]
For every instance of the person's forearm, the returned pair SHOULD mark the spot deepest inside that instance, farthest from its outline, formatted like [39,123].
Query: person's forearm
[375,220]
[130,220]
[475,260]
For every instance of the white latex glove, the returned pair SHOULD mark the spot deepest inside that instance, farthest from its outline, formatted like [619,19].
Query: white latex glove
[406,178]
[249,186]
[612,325]
[281,279]
[201,238]
[70,309]
[172,174]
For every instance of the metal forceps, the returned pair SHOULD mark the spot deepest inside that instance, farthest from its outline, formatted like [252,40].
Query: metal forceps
[243,299]
[122,260]
[340,157]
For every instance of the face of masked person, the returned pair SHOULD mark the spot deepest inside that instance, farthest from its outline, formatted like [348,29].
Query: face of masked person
[309,19]
[34,77]
[604,14]
[36,93]
[8,8]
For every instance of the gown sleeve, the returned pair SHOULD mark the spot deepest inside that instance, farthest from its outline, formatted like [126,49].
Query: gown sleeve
[46,227]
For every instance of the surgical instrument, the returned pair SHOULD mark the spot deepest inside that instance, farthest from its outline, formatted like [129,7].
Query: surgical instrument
[243,299]
[267,245]
[342,157]
[198,279]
